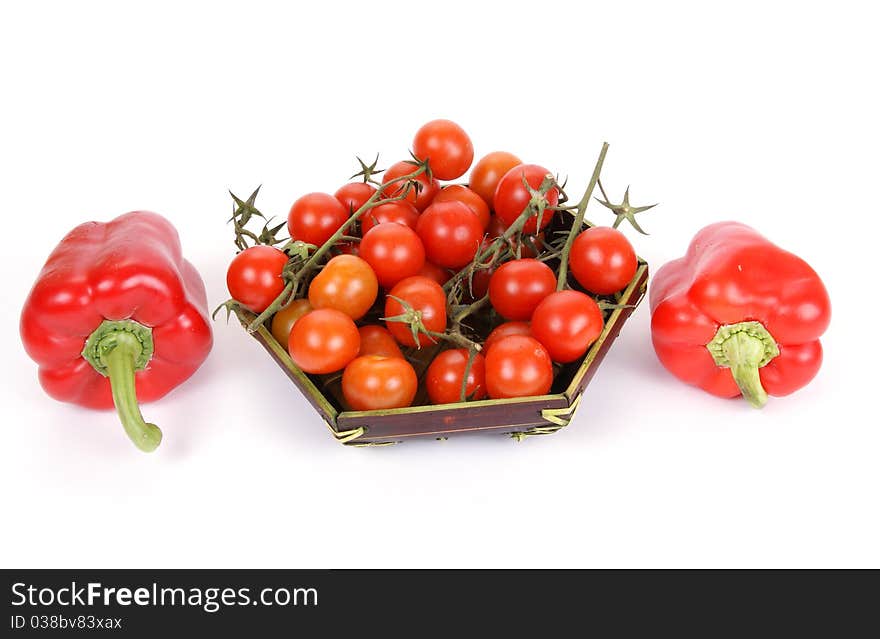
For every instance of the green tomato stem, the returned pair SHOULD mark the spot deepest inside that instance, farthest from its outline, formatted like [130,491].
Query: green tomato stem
[562,277]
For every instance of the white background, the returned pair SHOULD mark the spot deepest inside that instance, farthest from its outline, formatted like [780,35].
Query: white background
[760,112]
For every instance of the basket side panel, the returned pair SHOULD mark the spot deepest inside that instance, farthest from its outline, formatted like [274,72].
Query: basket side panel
[475,417]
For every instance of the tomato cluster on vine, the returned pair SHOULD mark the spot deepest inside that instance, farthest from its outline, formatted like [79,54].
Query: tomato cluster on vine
[468,281]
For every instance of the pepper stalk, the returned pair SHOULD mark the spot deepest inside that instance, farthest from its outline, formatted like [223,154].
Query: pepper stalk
[117,350]
[744,348]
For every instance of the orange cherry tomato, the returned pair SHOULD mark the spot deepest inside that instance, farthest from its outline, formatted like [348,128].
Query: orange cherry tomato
[324,341]
[346,283]
[283,320]
[487,173]
[374,382]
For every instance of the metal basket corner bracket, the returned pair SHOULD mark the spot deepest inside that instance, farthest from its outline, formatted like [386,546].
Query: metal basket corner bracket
[348,437]
[559,418]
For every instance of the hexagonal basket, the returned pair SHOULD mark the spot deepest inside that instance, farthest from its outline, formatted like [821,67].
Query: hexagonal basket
[518,418]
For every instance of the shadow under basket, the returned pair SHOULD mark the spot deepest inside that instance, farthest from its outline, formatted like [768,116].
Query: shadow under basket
[518,418]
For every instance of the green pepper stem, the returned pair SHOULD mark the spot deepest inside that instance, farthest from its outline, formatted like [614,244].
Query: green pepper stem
[120,363]
[743,352]
[744,348]
[117,349]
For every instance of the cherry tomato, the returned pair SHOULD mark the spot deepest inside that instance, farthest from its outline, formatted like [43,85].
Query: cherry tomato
[518,366]
[447,148]
[445,374]
[488,171]
[373,382]
[284,319]
[313,218]
[323,341]
[394,251]
[506,330]
[254,277]
[459,193]
[518,286]
[346,283]
[376,340]
[354,195]
[511,196]
[602,260]
[420,196]
[421,294]
[399,211]
[451,234]
[567,323]
[434,272]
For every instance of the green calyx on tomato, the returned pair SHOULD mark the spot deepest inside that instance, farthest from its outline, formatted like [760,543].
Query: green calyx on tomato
[415,311]
[526,187]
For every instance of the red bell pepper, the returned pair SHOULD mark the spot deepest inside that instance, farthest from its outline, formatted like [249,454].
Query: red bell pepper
[739,315]
[117,316]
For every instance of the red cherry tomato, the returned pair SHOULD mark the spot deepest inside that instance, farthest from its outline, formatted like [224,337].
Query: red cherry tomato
[488,172]
[346,283]
[506,330]
[421,196]
[518,366]
[451,234]
[567,323]
[421,294]
[447,148]
[602,260]
[445,374]
[254,277]
[434,272]
[511,196]
[376,340]
[518,286]
[399,211]
[354,195]
[313,218]
[459,193]
[394,251]
[324,341]
[373,382]
[283,320]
